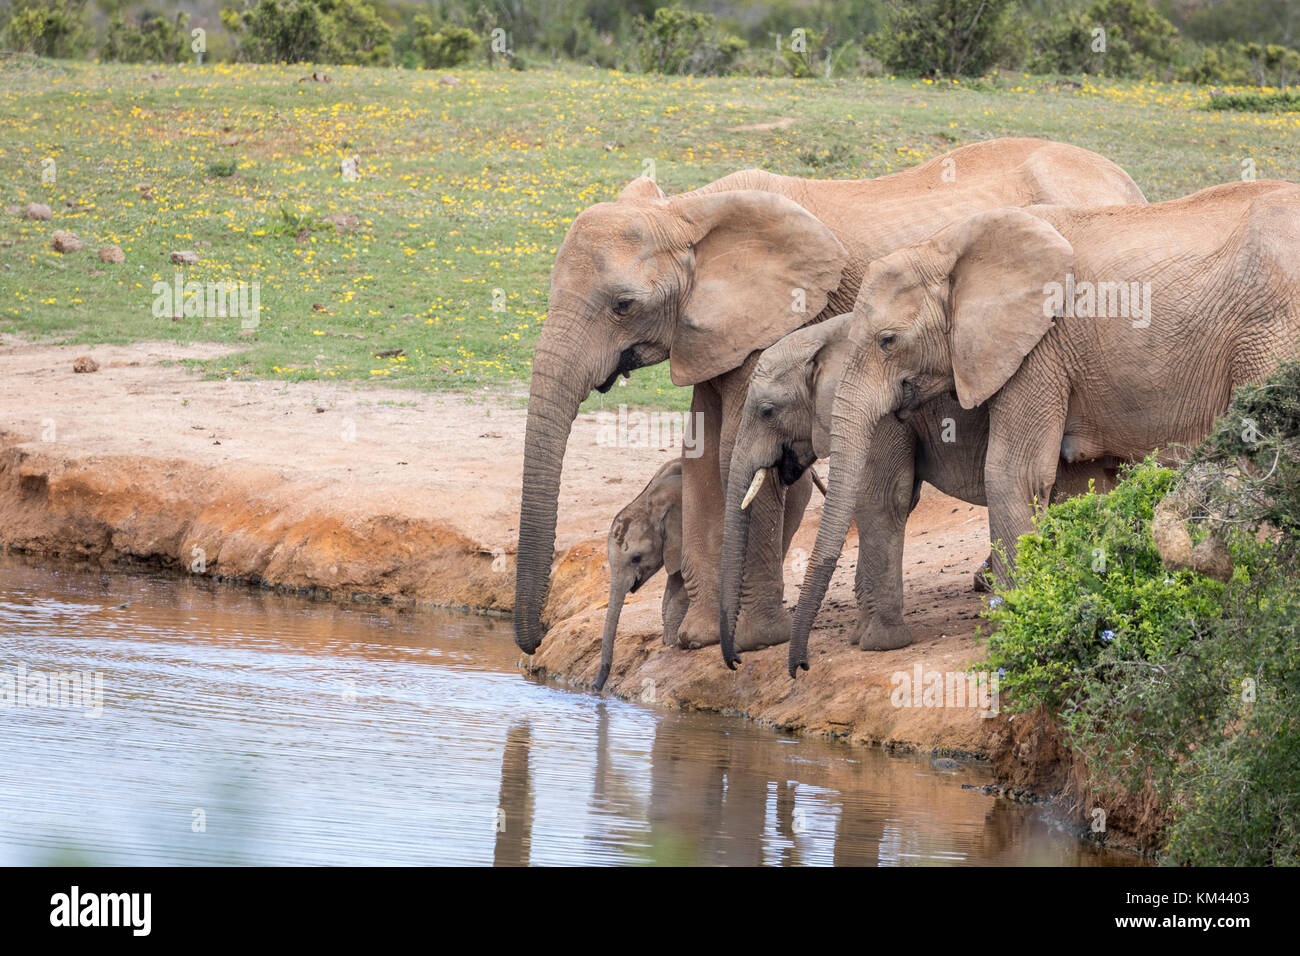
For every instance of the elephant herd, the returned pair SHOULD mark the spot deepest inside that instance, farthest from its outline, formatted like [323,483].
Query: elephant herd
[1007,322]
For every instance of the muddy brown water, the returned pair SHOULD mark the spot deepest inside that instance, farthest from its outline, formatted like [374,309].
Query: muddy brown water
[215,725]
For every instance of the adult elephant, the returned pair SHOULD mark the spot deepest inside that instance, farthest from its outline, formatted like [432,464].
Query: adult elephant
[1085,332]
[708,279]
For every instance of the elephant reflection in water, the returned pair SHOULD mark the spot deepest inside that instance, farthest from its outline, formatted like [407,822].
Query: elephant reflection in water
[514,822]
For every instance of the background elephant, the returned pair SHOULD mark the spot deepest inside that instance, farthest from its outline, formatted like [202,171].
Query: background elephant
[707,279]
[1087,332]
[644,537]
[786,425]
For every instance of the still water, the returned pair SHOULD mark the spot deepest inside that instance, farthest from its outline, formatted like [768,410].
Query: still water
[220,726]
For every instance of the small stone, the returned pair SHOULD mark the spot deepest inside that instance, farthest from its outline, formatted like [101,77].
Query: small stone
[64,241]
[230,141]
[112,254]
[448,80]
[85,364]
[36,210]
[185,258]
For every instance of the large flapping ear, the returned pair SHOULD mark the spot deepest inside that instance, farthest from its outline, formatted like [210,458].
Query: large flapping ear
[1001,264]
[643,187]
[764,266]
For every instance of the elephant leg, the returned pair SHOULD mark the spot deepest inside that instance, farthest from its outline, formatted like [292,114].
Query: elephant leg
[1024,452]
[702,488]
[889,492]
[674,607]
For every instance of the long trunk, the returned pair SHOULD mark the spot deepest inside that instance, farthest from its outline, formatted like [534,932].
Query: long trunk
[852,423]
[556,391]
[735,544]
[617,593]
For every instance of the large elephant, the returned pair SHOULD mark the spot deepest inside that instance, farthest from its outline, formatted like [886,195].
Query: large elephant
[1086,332]
[706,280]
[785,426]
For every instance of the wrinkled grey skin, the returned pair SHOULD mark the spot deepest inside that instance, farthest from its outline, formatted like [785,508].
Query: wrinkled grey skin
[785,425]
[644,537]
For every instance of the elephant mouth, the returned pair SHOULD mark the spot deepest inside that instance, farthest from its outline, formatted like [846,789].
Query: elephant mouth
[630,359]
[636,584]
[789,468]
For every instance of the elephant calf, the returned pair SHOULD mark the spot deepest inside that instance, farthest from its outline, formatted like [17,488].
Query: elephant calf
[644,537]
[785,425]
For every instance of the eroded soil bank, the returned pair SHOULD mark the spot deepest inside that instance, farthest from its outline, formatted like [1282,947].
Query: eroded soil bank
[365,494]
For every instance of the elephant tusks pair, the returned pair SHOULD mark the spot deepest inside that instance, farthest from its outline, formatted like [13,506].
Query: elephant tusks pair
[757,484]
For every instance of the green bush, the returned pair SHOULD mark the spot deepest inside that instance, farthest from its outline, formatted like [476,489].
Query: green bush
[311,31]
[949,37]
[55,28]
[150,39]
[445,46]
[1139,41]
[1088,578]
[678,41]
[1284,101]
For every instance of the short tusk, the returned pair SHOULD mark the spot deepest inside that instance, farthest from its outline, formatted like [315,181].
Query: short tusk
[818,481]
[754,487]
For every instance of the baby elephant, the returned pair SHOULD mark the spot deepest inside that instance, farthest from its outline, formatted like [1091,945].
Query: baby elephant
[644,537]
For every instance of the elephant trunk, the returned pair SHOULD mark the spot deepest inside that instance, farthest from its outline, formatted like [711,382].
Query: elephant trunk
[617,593]
[735,543]
[554,396]
[853,420]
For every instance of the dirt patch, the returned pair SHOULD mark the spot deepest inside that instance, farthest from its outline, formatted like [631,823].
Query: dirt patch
[784,122]
[321,489]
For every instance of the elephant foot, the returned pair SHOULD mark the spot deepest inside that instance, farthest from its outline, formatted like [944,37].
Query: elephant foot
[671,636]
[699,628]
[757,629]
[880,636]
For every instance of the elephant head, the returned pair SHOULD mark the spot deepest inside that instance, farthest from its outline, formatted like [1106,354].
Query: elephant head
[644,537]
[702,280]
[784,425]
[958,312]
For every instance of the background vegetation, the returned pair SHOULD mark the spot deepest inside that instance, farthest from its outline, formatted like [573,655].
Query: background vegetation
[1201,41]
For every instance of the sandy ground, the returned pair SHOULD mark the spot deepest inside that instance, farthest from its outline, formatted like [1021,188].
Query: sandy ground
[319,488]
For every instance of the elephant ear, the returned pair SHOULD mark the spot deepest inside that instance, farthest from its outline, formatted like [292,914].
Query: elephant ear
[764,266]
[643,187]
[1000,263]
[670,526]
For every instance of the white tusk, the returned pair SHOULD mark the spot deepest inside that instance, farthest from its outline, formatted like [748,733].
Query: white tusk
[754,487]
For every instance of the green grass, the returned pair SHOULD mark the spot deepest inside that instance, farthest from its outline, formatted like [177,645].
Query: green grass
[465,189]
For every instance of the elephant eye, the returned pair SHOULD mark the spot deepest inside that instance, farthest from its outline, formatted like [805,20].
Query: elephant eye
[623,306]
[635,559]
[765,411]
[886,340]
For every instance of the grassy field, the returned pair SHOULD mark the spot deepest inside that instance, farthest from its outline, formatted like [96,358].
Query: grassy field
[468,181]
